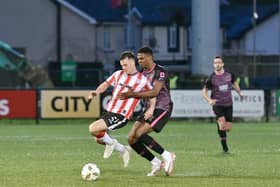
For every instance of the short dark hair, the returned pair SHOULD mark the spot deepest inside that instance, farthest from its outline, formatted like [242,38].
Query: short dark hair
[146,50]
[218,56]
[127,54]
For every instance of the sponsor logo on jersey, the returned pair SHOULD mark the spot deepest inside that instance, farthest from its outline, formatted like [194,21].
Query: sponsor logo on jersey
[161,74]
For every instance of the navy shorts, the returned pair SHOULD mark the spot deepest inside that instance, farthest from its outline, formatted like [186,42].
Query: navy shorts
[113,120]
[225,111]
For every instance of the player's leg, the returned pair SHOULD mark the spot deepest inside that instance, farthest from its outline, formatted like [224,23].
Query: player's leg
[138,133]
[223,139]
[141,149]
[132,134]
[142,127]
[228,126]
[99,141]
[138,146]
[97,126]
[168,157]
[115,121]
[221,121]
[228,117]
[227,120]
[123,150]
[156,124]
[159,120]
[221,126]
[110,121]
[99,130]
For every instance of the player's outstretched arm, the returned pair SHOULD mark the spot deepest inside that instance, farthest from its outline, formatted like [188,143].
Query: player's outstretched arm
[100,89]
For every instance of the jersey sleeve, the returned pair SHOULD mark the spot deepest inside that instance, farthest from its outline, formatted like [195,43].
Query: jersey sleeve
[208,83]
[161,75]
[113,78]
[233,78]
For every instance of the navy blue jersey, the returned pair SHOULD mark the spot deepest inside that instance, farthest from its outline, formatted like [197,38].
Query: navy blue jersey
[159,73]
[221,86]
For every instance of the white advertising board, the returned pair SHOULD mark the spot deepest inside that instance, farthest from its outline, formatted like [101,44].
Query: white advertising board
[190,103]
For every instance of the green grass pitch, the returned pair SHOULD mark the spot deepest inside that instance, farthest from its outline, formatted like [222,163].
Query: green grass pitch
[53,153]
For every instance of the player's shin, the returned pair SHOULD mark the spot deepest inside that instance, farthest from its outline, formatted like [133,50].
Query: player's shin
[223,138]
[151,143]
[142,150]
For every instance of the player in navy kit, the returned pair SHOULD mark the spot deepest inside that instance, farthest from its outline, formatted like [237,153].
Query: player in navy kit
[147,122]
[221,83]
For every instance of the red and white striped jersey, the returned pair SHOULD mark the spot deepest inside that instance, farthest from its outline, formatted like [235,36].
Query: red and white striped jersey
[121,82]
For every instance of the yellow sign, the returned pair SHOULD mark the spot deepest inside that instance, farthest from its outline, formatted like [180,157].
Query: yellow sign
[69,104]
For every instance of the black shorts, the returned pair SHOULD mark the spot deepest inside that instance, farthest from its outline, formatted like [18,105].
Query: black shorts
[225,111]
[159,119]
[113,120]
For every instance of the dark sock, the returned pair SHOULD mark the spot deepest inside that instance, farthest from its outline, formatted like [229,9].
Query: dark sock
[224,144]
[140,148]
[223,136]
[151,143]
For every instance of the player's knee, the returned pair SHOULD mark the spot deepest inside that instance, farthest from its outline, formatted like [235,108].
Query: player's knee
[131,140]
[221,120]
[222,123]
[138,135]
[91,129]
[100,134]
[93,132]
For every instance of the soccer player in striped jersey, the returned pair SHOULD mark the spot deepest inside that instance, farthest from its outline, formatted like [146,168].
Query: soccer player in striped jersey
[221,83]
[138,138]
[118,112]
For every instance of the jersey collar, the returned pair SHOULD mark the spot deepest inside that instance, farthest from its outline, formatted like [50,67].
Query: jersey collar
[149,71]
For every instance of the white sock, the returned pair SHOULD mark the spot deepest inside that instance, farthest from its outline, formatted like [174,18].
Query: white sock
[120,148]
[156,161]
[166,154]
[107,139]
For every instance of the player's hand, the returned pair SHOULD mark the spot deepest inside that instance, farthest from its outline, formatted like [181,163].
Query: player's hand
[125,95]
[241,96]
[92,94]
[148,114]
[212,102]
